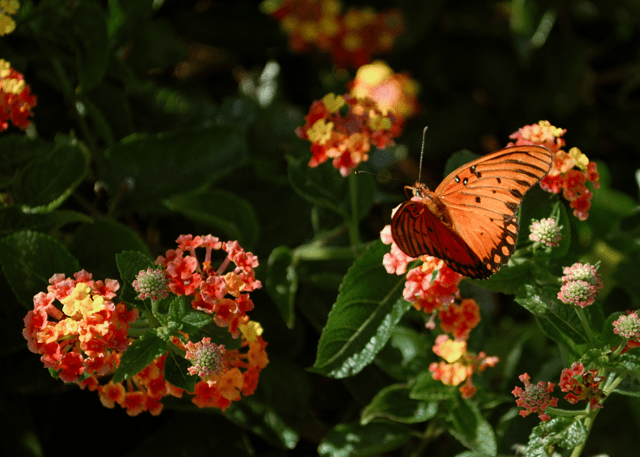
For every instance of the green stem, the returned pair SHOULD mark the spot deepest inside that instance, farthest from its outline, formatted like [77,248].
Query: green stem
[586,326]
[354,233]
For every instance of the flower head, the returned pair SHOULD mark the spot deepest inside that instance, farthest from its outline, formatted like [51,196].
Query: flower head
[534,398]
[588,389]
[16,101]
[458,365]
[628,326]
[7,8]
[545,232]
[344,128]
[391,91]
[460,319]
[223,295]
[206,357]
[351,38]
[151,283]
[562,177]
[580,285]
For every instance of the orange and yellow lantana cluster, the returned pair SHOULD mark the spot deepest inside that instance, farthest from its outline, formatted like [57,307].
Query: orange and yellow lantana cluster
[351,38]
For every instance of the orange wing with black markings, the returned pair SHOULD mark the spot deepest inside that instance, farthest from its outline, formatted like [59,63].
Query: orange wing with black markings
[470,220]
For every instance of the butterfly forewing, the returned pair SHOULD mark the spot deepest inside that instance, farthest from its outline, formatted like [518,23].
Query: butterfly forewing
[480,199]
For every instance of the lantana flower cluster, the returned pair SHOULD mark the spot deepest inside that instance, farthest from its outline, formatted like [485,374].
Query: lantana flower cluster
[535,398]
[580,285]
[8,8]
[587,389]
[16,100]
[395,92]
[343,128]
[76,328]
[223,295]
[570,171]
[458,365]
[82,334]
[628,327]
[227,374]
[545,232]
[351,38]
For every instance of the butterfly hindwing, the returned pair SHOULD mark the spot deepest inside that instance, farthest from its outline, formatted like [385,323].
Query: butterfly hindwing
[417,231]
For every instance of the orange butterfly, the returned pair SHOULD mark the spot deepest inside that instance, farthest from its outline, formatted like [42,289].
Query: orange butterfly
[470,220]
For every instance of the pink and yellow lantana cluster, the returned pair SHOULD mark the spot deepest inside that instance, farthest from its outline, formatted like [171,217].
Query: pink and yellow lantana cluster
[570,171]
[351,38]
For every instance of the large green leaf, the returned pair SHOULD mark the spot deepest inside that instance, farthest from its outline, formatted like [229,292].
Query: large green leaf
[352,440]
[222,210]
[139,355]
[29,259]
[47,182]
[147,168]
[394,403]
[368,306]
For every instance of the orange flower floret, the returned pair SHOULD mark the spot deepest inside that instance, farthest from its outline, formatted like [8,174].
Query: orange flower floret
[563,176]
[344,128]
[460,319]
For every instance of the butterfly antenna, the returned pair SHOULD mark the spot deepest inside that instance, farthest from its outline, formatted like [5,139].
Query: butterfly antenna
[379,176]
[424,132]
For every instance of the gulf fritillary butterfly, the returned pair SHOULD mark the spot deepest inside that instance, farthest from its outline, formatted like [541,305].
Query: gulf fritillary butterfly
[470,220]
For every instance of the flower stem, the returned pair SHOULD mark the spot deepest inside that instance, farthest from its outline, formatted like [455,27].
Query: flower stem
[354,233]
[586,326]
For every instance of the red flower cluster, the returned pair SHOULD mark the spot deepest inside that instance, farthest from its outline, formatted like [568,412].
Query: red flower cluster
[459,320]
[225,296]
[16,101]
[351,39]
[459,365]
[563,176]
[534,398]
[343,128]
[587,390]
[87,336]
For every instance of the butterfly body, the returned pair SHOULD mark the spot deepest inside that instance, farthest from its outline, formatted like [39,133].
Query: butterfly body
[470,221]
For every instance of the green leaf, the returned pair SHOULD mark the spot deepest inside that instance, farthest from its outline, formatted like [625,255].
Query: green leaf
[152,167]
[352,440]
[139,355]
[176,371]
[557,319]
[222,210]
[324,186]
[282,282]
[509,279]
[14,219]
[263,421]
[47,182]
[471,429]
[627,365]
[130,263]
[368,306]
[89,25]
[566,432]
[96,245]
[29,259]
[426,388]
[393,403]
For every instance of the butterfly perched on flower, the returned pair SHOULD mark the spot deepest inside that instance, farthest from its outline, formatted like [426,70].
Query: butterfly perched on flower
[470,221]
